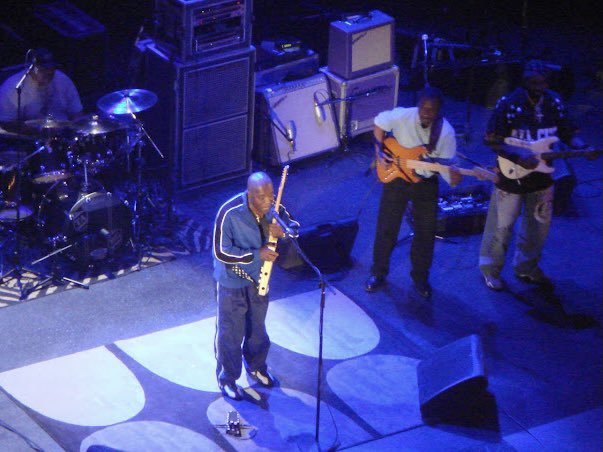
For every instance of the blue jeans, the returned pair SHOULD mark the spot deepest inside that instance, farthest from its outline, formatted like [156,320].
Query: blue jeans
[503,212]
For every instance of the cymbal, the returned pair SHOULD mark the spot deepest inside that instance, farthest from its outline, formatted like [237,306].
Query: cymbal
[127,101]
[94,125]
[47,123]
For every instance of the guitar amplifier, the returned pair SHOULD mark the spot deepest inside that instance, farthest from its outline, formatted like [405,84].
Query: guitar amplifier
[290,124]
[361,44]
[363,98]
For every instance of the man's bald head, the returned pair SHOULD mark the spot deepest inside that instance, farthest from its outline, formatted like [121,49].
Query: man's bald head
[260,193]
[258,179]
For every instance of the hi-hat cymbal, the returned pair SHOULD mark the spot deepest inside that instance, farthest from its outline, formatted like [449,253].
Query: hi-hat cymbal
[127,101]
[94,125]
[47,123]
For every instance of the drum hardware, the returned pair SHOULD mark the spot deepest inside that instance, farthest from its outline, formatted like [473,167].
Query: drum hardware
[128,102]
[18,271]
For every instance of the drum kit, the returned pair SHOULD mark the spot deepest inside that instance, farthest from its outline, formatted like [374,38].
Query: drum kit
[62,187]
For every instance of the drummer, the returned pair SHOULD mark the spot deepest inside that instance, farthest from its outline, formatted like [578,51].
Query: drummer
[46,92]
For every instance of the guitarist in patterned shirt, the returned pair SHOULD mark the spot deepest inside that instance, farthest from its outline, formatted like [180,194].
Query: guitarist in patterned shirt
[531,112]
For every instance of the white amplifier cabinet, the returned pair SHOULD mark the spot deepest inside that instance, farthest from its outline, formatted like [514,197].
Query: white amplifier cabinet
[293,121]
[361,44]
[359,100]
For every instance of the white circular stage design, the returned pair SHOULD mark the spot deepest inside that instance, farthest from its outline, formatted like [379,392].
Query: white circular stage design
[382,389]
[293,323]
[285,420]
[144,436]
[90,388]
[183,355]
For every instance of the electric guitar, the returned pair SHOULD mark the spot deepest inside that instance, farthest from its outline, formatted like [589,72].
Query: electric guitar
[406,160]
[266,269]
[542,151]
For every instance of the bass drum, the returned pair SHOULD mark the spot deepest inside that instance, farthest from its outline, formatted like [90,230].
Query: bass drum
[96,223]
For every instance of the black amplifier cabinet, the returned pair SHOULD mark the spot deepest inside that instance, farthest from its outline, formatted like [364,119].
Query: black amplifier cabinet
[189,29]
[204,115]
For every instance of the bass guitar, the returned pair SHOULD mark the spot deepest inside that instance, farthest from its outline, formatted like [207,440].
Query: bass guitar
[407,160]
[266,269]
[542,151]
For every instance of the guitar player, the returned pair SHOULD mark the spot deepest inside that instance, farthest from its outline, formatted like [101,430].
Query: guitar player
[412,127]
[529,113]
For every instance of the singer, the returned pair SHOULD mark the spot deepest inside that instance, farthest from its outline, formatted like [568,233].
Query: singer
[45,91]
[241,229]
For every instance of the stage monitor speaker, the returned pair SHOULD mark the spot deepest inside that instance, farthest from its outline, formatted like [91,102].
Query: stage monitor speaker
[452,376]
[327,245]
[295,121]
[365,96]
[361,44]
[204,116]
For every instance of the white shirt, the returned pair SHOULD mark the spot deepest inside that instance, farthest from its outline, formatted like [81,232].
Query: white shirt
[405,126]
[58,99]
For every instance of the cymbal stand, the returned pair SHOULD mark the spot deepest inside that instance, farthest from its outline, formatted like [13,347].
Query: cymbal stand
[136,221]
[18,271]
[53,277]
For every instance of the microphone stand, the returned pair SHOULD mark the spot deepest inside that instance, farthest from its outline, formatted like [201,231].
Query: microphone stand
[323,284]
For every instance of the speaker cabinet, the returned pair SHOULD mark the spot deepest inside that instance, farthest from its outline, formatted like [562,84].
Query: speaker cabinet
[294,121]
[204,116]
[451,377]
[327,245]
[363,98]
[361,45]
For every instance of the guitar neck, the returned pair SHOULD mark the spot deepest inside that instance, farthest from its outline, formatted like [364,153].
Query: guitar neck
[548,156]
[437,167]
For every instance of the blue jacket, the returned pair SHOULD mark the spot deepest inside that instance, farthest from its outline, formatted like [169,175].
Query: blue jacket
[237,242]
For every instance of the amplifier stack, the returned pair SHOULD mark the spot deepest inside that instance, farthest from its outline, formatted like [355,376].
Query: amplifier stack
[200,63]
[362,77]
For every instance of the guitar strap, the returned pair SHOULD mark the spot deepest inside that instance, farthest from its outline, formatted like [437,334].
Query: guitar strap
[434,135]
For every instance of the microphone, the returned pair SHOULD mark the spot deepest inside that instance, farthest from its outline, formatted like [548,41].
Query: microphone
[291,133]
[319,111]
[289,232]
[19,84]
[424,38]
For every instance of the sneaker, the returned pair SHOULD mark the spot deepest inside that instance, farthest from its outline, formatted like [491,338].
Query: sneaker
[537,277]
[495,283]
[374,283]
[264,378]
[422,288]
[232,391]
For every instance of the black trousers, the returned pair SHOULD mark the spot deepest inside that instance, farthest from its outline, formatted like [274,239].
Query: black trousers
[394,201]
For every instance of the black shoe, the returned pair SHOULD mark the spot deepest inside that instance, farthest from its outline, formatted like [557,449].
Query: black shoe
[423,288]
[374,283]
[264,378]
[232,391]
[537,277]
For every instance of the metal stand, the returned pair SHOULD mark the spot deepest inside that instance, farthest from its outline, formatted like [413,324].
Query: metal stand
[136,220]
[17,272]
[323,284]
